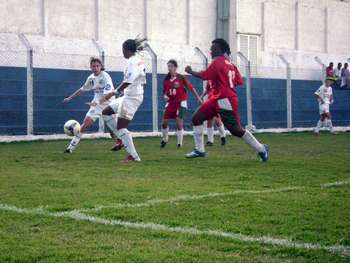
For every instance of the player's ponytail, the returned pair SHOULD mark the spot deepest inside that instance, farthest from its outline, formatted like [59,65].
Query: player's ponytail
[134,45]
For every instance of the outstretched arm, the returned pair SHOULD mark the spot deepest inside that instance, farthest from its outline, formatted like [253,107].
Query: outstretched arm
[75,94]
[190,87]
[196,74]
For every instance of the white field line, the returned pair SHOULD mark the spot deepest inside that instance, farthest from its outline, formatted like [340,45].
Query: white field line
[75,215]
[184,198]
[328,185]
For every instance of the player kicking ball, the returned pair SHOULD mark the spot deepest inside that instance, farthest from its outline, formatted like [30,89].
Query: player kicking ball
[129,97]
[101,83]
[175,95]
[216,120]
[224,101]
[325,97]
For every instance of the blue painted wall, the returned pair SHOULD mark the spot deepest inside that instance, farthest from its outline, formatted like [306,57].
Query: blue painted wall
[52,85]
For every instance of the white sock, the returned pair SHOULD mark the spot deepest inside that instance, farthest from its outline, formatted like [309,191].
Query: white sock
[198,138]
[210,133]
[165,136]
[330,125]
[126,138]
[319,125]
[253,142]
[74,142]
[111,122]
[180,136]
[222,132]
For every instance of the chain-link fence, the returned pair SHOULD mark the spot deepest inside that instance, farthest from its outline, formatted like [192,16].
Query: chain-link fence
[33,84]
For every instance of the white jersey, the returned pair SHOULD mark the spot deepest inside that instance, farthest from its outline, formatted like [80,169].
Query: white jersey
[135,74]
[101,85]
[325,93]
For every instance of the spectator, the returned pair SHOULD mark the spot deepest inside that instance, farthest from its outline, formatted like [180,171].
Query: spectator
[345,75]
[337,76]
[330,71]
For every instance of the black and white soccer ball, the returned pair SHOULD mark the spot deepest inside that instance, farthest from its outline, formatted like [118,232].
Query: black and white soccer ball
[71,128]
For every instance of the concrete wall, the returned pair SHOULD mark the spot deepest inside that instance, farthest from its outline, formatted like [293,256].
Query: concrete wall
[299,29]
[51,85]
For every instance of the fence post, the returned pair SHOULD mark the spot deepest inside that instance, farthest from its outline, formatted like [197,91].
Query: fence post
[288,91]
[101,123]
[323,66]
[205,62]
[246,62]
[100,50]
[153,55]
[29,48]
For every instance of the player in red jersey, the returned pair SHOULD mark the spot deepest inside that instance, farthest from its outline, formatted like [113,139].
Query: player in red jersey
[224,101]
[175,95]
[216,120]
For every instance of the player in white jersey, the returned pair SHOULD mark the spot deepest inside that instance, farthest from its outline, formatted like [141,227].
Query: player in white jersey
[129,97]
[325,97]
[101,83]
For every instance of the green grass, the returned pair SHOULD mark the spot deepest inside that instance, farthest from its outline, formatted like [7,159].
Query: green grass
[37,174]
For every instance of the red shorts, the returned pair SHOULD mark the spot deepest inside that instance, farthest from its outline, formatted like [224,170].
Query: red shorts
[226,108]
[171,113]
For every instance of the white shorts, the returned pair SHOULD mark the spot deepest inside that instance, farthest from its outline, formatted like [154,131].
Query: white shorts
[95,112]
[324,108]
[125,107]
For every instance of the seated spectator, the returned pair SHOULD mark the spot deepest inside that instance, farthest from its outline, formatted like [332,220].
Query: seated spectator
[345,77]
[337,76]
[330,71]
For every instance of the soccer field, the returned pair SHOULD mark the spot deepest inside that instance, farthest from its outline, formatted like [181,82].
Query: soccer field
[228,207]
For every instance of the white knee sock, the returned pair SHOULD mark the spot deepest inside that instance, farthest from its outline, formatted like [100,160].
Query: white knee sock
[126,138]
[330,125]
[318,127]
[165,136]
[198,138]
[180,136]
[210,133]
[253,142]
[74,142]
[111,122]
[222,132]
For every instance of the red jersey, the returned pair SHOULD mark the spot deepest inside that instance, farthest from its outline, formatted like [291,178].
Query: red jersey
[175,90]
[224,77]
[209,89]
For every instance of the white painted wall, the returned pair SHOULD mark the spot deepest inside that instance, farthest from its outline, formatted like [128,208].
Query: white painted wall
[296,28]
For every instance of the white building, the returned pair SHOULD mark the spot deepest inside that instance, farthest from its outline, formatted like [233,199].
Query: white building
[261,29]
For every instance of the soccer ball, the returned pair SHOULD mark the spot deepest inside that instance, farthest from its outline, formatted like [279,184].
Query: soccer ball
[71,128]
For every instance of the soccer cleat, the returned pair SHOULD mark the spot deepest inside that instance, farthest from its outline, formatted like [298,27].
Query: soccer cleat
[264,156]
[129,159]
[210,144]
[67,150]
[223,141]
[162,144]
[179,146]
[194,154]
[117,146]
